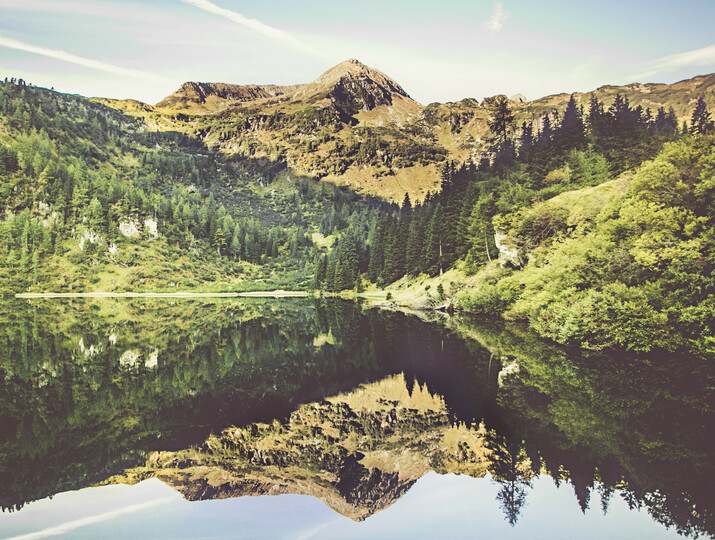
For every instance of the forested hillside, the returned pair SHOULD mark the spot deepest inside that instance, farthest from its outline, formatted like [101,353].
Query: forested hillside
[597,229]
[93,200]
[593,223]
[356,127]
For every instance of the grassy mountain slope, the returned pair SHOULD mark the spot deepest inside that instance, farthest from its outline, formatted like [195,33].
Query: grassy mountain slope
[356,127]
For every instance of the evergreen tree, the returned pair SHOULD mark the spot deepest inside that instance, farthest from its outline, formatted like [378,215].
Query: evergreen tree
[700,121]
[571,131]
[406,207]
[97,220]
[415,245]
[219,241]
[235,246]
[433,257]
[501,118]
[526,140]
[376,248]
[596,117]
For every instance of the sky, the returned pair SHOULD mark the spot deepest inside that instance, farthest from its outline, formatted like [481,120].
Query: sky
[437,506]
[437,51]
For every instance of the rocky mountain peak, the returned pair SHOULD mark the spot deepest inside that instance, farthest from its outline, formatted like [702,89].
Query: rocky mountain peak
[355,70]
[352,86]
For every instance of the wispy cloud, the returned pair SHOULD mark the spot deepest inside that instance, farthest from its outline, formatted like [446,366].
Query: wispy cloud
[79,60]
[497,18]
[257,26]
[69,526]
[312,532]
[698,57]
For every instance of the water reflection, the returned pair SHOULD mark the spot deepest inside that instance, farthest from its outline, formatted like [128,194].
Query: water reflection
[352,406]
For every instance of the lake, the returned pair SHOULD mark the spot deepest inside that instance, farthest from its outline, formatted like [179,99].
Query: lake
[304,418]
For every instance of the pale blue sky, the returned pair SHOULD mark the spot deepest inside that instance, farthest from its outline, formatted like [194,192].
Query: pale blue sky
[437,506]
[438,51]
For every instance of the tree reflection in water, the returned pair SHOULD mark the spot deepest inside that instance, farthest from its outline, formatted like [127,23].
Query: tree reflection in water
[351,405]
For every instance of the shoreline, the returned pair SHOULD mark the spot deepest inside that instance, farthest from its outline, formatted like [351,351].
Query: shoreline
[252,294]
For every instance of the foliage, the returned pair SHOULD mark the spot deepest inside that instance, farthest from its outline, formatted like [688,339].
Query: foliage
[83,187]
[633,271]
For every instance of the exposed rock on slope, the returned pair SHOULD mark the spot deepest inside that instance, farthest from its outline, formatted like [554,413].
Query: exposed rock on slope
[352,86]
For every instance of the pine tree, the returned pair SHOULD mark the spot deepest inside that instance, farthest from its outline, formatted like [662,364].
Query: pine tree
[571,131]
[406,207]
[596,117]
[396,237]
[700,121]
[219,241]
[415,245]
[97,221]
[526,140]
[546,133]
[320,271]
[235,247]
[433,258]
[501,118]
[376,248]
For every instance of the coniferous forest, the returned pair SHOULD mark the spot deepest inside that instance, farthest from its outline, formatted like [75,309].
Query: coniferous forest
[593,223]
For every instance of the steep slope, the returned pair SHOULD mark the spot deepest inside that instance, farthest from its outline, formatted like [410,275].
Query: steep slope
[461,127]
[351,87]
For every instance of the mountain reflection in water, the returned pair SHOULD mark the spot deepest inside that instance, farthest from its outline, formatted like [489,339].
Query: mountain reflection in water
[349,405]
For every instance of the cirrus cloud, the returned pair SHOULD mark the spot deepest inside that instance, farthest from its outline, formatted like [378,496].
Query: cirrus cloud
[79,60]
[270,32]
[697,57]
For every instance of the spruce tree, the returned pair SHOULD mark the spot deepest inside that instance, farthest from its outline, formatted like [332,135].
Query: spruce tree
[433,257]
[571,131]
[501,118]
[219,241]
[700,121]
[526,140]
[415,245]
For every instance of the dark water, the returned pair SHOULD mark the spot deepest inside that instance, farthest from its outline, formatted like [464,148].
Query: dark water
[367,423]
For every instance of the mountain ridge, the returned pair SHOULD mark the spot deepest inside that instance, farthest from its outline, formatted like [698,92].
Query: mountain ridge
[199,92]
[356,127]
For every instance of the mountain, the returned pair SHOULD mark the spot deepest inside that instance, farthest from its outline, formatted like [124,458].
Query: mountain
[91,199]
[352,87]
[344,127]
[356,127]
[196,96]
[101,195]
[349,87]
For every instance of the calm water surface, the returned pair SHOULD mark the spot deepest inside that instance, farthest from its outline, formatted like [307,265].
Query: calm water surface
[302,419]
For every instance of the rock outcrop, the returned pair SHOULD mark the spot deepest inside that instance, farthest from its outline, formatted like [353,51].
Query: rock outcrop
[352,86]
